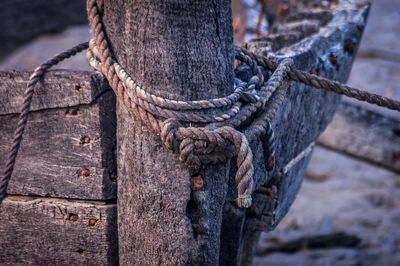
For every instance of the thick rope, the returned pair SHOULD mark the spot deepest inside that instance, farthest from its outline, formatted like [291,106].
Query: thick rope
[323,83]
[252,104]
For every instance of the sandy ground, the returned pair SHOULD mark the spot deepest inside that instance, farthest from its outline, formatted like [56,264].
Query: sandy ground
[347,212]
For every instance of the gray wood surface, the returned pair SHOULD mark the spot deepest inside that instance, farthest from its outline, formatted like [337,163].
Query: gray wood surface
[179,50]
[46,231]
[70,131]
[59,89]
[364,134]
[23,20]
[303,116]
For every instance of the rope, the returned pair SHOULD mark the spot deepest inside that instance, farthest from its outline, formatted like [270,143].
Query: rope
[323,83]
[241,117]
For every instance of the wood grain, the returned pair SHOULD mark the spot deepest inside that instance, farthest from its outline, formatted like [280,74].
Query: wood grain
[72,131]
[46,231]
[179,50]
[352,132]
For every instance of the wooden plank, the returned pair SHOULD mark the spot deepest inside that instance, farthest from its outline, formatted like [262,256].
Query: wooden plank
[46,231]
[365,135]
[66,152]
[60,88]
[23,20]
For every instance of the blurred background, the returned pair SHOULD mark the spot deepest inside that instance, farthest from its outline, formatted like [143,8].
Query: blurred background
[348,210]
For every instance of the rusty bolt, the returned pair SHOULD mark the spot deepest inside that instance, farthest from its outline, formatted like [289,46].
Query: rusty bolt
[92,222]
[196,182]
[84,140]
[85,172]
[73,217]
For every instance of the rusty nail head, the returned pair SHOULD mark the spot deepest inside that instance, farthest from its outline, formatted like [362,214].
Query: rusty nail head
[73,217]
[196,182]
[85,140]
[92,222]
[85,172]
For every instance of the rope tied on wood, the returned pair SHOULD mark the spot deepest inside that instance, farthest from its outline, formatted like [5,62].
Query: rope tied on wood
[187,127]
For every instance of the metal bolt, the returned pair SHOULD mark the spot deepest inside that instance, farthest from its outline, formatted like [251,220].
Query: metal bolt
[196,182]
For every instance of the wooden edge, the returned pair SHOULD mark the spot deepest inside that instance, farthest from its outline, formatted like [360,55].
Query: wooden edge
[352,133]
[49,231]
[59,89]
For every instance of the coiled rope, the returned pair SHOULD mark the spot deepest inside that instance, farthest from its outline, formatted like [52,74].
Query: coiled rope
[219,140]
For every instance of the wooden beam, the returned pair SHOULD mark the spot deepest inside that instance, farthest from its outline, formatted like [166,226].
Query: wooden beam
[68,145]
[47,231]
[179,50]
[365,135]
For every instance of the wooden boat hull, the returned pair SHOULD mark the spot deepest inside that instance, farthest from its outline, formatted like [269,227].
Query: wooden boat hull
[74,215]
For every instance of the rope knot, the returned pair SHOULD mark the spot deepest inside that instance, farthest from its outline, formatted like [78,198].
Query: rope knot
[199,146]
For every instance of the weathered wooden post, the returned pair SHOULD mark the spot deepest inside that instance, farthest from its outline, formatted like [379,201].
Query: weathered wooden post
[179,50]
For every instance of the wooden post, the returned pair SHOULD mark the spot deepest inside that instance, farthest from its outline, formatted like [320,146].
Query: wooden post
[179,50]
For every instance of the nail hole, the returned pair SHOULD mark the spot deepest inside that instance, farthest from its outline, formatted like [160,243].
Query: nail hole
[333,59]
[78,88]
[396,131]
[73,111]
[80,250]
[73,217]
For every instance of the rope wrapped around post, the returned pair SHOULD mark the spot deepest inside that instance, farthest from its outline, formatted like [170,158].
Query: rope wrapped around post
[187,127]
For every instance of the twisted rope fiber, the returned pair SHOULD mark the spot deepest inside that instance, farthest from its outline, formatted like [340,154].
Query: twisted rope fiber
[218,141]
[323,83]
[36,76]
[166,108]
